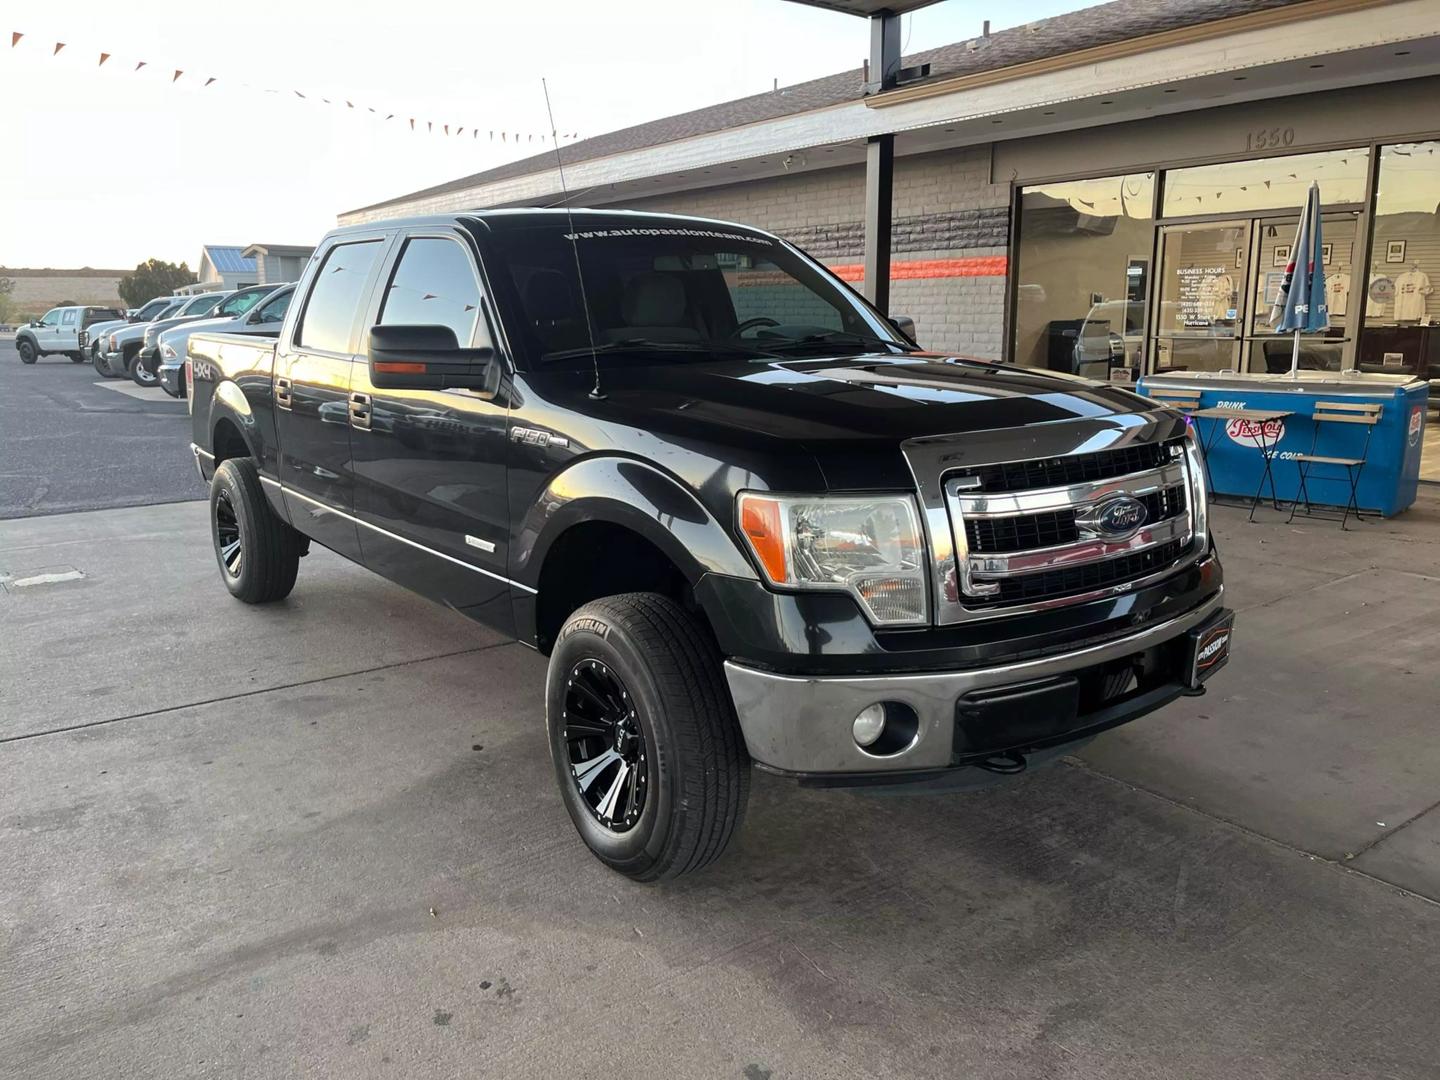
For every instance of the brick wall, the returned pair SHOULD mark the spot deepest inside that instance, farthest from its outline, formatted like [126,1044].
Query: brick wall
[37,291]
[951,231]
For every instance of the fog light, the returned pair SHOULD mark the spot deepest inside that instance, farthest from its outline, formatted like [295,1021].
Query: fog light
[869,724]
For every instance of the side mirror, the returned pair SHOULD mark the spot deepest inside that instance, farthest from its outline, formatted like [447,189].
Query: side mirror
[905,325]
[429,358]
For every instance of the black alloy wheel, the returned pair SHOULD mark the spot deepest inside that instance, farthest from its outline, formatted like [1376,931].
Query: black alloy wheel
[229,545]
[606,745]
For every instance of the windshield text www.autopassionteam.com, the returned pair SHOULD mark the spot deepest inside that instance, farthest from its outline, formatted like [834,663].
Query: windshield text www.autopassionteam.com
[595,234]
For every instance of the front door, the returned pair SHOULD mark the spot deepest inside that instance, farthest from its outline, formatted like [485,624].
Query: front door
[47,334]
[430,464]
[1201,293]
[312,396]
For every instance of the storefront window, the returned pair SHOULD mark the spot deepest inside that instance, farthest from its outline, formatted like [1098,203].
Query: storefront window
[1083,270]
[1278,183]
[1402,301]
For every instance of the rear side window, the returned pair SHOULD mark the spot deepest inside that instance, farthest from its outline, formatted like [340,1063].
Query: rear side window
[329,316]
[433,285]
[68,317]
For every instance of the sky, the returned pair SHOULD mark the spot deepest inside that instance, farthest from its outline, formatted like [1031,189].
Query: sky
[107,166]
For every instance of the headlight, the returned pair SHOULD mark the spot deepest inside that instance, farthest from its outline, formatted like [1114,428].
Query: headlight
[168,351]
[1199,489]
[869,546]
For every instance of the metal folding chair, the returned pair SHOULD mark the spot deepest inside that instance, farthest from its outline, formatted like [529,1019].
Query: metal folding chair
[1337,412]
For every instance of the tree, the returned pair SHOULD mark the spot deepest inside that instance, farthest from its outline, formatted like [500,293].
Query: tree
[153,278]
[9,307]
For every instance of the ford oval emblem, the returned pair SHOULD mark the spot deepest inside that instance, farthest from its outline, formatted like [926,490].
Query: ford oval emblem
[1120,516]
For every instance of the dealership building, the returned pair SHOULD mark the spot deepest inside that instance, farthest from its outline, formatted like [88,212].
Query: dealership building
[1112,191]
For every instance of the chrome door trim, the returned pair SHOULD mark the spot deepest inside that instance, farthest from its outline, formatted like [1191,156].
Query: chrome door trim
[406,540]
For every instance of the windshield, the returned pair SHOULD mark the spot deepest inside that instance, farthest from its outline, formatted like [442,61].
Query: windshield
[202,305]
[676,293]
[242,301]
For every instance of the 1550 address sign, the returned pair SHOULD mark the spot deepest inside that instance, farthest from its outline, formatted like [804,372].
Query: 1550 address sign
[1269,138]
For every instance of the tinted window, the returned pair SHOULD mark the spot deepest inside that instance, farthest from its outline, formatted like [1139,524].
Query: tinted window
[201,305]
[330,308]
[433,285]
[274,310]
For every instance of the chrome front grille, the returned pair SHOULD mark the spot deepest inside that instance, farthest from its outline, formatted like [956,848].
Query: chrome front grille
[1055,514]
[1046,544]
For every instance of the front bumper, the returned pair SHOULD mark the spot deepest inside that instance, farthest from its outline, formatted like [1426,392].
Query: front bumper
[801,725]
[113,362]
[172,378]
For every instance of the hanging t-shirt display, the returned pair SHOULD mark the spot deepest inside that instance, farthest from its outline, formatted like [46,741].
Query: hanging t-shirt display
[1337,292]
[1382,291]
[1411,290]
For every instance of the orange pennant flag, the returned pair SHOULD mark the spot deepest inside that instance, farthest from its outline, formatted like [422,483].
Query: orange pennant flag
[58,46]
[141,64]
[447,129]
[176,76]
[412,123]
[15,36]
[103,57]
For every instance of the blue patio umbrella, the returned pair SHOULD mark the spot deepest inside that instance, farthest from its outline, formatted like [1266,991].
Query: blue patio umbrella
[1300,306]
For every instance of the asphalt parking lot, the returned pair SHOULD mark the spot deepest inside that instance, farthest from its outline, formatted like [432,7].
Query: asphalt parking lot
[75,441]
[323,839]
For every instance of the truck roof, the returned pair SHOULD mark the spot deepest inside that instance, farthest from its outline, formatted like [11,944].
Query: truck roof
[519,217]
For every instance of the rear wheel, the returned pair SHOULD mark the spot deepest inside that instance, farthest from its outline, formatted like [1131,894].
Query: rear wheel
[650,760]
[77,358]
[258,554]
[26,348]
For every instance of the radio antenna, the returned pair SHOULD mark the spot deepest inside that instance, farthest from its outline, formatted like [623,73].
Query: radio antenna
[596,393]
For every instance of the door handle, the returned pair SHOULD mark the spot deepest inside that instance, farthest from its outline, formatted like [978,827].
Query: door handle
[283,397]
[360,411]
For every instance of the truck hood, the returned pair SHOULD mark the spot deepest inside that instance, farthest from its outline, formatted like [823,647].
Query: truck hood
[851,413]
[881,397]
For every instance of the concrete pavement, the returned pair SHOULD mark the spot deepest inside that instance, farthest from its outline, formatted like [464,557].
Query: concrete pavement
[323,839]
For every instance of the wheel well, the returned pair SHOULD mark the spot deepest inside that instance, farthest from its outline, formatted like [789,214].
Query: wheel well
[598,559]
[228,442]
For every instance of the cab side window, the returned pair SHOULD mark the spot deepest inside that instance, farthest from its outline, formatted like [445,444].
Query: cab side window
[51,318]
[67,317]
[328,321]
[434,284]
[273,310]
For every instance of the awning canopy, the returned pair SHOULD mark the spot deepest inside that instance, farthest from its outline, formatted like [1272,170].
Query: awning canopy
[868,8]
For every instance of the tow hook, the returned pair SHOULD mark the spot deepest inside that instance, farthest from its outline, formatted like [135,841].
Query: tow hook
[1009,763]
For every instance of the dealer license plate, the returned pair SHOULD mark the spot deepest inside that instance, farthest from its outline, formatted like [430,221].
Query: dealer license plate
[1210,645]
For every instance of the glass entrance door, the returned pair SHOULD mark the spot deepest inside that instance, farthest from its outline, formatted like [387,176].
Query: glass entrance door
[1203,282]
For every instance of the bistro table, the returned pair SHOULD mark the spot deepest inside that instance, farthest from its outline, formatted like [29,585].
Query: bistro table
[1265,432]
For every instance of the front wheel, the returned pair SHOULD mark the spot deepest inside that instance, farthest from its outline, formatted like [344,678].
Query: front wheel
[140,374]
[258,554]
[650,760]
[28,353]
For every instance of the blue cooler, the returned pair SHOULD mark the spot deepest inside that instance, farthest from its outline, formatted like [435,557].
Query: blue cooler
[1391,474]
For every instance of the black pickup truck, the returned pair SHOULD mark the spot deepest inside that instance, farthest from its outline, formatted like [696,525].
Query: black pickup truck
[745,516]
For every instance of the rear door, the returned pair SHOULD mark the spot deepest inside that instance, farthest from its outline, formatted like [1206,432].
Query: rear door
[312,387]
[430,464]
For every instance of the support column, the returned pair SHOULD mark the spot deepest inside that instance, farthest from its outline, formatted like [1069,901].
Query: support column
[879,206]
[880,163]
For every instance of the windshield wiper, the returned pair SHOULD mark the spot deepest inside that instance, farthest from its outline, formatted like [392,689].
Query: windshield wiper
[833,337]
[644,345]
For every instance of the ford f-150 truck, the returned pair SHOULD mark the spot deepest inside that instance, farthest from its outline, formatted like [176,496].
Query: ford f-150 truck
[748,520]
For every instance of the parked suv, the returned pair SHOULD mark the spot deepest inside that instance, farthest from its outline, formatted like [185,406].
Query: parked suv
[747,520]
[264,319]
[61,330]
